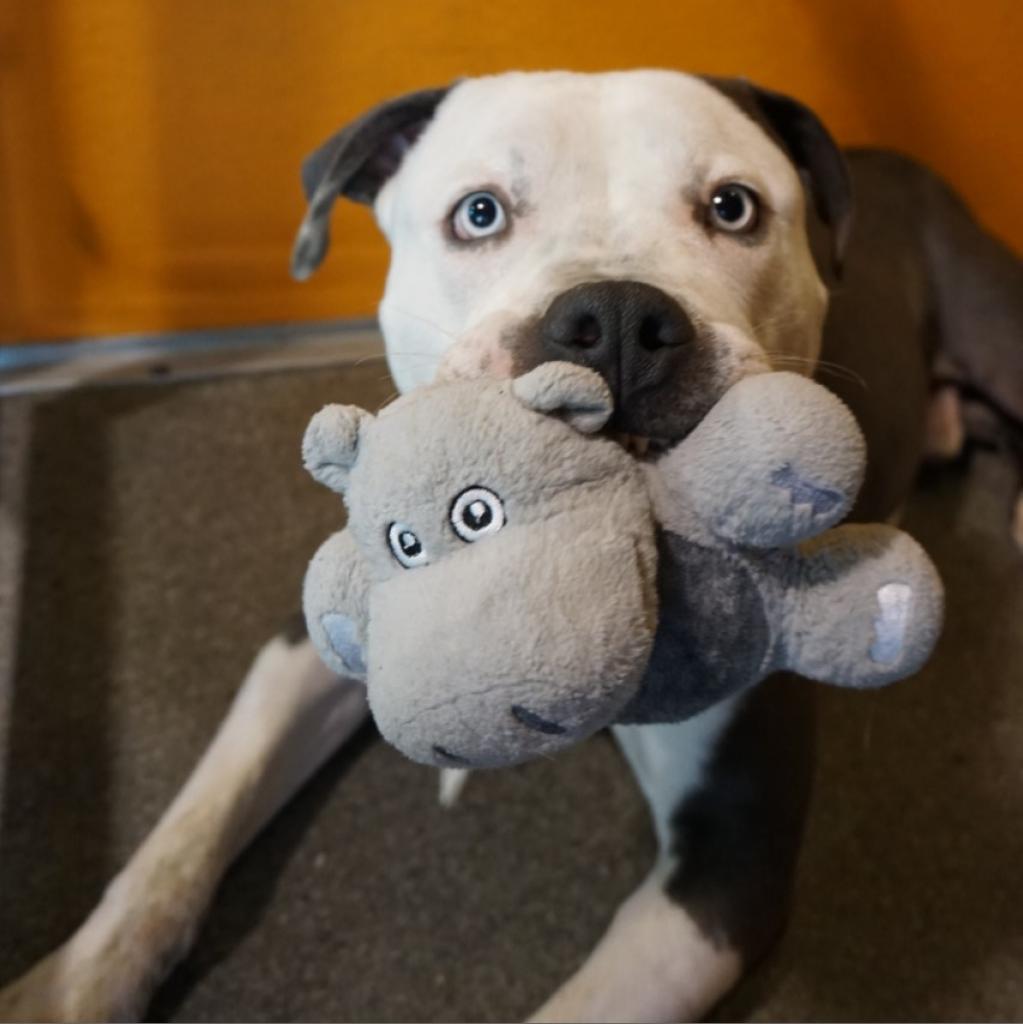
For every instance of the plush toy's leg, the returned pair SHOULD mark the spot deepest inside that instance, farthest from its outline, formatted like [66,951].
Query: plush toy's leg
[289,716]
[863,606]
[728,792]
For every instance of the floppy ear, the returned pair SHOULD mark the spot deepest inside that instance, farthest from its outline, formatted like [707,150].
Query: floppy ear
[330,447]
[354,163]
[573,393]
[801,133]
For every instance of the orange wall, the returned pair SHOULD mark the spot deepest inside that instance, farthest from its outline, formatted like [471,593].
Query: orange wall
[149,149]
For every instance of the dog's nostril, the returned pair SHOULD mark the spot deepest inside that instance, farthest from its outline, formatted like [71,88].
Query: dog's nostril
[657,332]
[586,332]
[652,333]
[534,721]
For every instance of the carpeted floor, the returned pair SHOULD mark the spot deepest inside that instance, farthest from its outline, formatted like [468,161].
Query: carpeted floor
[153,536]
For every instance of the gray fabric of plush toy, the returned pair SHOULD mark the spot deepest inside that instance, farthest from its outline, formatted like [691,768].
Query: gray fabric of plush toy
[510,581]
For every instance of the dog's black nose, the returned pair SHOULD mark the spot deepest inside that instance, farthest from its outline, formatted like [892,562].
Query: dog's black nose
[633,334]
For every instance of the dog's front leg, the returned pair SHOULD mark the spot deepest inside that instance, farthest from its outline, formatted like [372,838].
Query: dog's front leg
[289,716]
[728,791]
[654,963]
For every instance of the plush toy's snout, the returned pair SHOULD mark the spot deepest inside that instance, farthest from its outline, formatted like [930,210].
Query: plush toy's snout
[520,646]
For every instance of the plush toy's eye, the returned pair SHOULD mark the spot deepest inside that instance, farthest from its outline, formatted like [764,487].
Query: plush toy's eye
[734,208]
[406,547]
[478,215]
[477,512]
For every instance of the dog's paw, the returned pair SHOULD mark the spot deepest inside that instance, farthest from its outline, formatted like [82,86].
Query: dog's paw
[945,432]
[63,988]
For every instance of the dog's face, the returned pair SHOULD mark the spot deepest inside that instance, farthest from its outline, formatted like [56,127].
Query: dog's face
[641,223]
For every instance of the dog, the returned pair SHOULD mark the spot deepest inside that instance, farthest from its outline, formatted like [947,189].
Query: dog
[675,233]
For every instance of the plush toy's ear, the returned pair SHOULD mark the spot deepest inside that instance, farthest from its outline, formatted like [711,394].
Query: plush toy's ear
[573,393]
[331,444]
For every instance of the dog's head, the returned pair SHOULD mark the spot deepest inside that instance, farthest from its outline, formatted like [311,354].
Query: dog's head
[652,225]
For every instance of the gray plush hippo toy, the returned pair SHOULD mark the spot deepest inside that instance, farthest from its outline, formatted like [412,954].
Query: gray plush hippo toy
[511,581]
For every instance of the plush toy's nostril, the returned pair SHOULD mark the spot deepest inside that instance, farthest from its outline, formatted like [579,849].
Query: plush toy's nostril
[533,721]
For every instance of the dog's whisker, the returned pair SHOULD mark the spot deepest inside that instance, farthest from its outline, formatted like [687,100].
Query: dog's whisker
[422,319]
[411,354]
[365,360]
[843,373]
[782,320]
[833,371]
[838,368]
[819,365]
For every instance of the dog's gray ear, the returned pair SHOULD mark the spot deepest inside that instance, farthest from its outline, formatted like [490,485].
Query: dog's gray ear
[354,163]
[802,135]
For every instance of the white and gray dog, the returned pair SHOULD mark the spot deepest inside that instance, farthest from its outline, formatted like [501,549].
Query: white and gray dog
[675,233]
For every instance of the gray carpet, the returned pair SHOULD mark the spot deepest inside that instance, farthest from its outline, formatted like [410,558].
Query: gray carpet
[153,537]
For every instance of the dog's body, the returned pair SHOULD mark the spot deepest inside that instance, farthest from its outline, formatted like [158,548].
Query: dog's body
[605,183]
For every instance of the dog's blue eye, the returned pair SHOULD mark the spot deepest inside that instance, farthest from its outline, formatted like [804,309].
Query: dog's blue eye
[478,215]
[482,212]
[734,208]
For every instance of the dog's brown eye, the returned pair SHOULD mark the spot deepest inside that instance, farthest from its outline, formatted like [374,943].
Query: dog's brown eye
[734,208]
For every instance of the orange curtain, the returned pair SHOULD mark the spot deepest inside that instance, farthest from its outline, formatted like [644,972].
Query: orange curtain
[149,151]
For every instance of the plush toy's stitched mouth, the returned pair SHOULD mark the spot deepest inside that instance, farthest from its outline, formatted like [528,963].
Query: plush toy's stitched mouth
[534,721]
[457,759]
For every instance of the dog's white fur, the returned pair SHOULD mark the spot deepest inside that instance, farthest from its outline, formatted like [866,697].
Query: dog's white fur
[603,175]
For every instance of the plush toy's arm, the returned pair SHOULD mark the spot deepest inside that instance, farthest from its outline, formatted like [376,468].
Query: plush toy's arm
[777,460]
[335,598]
[860,606]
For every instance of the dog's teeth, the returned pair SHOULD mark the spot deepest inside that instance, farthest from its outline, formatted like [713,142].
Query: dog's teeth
[633,444]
